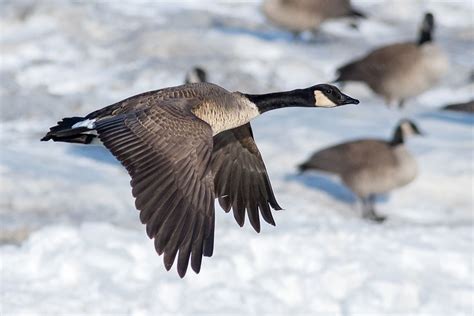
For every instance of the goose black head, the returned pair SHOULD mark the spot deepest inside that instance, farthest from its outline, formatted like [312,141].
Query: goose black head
[195,75]
[405,129]
[427,28]
[321,95]
[329,96]
[409,128]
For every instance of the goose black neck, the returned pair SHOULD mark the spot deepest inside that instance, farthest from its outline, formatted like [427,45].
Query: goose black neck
[278,100]
[397,137]
[426,30]
[426,36]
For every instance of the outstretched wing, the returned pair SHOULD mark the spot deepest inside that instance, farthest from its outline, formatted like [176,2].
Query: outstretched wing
[167,152]
[240,177]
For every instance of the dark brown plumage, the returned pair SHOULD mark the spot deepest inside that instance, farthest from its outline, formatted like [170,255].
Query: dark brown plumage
[241,180]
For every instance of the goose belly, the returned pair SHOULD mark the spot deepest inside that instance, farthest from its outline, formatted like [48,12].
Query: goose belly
[222,117]
[421,75]
[383,179]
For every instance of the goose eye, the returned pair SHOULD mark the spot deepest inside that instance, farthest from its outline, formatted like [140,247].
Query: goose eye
[329,91]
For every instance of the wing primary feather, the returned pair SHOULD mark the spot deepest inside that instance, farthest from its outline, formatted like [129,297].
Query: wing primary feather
[209,241]
[172,224]
[224,202]
[171,173]
[185,249]
[196,254]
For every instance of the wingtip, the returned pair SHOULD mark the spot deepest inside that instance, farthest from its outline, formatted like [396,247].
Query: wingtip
[275,205]
[167,265]
[182,272]
[239,219]
[196,267]
[278,208]
[257,229]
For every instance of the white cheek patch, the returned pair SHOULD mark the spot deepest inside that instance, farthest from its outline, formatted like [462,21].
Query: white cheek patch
[407,130]
[193,77]
[322,100]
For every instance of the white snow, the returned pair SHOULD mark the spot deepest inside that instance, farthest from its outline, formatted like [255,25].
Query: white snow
[71,240]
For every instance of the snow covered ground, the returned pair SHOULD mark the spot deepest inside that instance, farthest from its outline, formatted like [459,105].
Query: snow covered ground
[71,241]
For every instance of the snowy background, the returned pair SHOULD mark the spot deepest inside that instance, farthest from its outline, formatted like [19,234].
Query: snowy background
[71,242]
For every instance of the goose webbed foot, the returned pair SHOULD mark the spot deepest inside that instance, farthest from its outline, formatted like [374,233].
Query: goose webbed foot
[374,217]
[369,212]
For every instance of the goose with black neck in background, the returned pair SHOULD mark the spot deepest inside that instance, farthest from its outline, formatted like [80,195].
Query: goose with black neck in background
[400,71]
[369,167]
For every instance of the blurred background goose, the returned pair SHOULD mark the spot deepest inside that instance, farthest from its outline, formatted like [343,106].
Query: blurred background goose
[196,75]
[185,146]
[306,15]
[403,70]
[369,166]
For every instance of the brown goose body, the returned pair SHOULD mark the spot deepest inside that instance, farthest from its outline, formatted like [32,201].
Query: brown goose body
[185,146]
[369,166]
[305,15]
[400,71]
[216,106]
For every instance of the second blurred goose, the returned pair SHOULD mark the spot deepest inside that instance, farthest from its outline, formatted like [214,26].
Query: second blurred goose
[403,70]
[369,166]
[306,15]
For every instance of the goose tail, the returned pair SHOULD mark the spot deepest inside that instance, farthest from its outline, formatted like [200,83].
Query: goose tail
[357,14]
[77,130]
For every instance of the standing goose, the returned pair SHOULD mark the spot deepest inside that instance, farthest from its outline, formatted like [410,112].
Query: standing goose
[306,15]
[400,71]
[185,146]
[369,166]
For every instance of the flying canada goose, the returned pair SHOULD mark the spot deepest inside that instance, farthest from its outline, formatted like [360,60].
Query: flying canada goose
[306,15]
[185,146]
[195,75]
[369,166]
[400,71]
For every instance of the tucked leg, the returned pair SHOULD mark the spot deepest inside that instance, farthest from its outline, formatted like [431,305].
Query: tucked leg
[401,104]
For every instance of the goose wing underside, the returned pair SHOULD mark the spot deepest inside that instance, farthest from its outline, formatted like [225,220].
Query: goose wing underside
[167,152]
[240,177]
